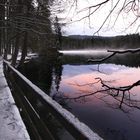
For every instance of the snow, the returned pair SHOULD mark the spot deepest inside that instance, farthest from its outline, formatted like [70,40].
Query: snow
[84,129]
[11,124]
[28,57]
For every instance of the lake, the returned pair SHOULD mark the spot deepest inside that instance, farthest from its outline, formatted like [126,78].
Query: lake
[113,116]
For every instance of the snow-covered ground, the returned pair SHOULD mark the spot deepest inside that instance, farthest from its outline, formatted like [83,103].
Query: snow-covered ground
[11,124]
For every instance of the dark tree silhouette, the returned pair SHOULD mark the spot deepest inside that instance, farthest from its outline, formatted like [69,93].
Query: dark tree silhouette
[58,33]
[23,22]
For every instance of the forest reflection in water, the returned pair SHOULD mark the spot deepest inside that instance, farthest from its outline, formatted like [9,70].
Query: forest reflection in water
[70,76]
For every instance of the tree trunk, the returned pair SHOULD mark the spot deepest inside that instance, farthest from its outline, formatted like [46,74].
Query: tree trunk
[17,41]
[16,50]
[24,49]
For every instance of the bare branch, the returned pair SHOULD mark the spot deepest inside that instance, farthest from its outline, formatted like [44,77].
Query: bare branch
[93,6]
[114,52]
[125,51]
[118,93]
[123,89]
[120,11]
[101,60]
[107,17]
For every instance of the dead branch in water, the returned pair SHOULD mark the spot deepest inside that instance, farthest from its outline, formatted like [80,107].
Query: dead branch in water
[120,94]
[108,88]
[113,53]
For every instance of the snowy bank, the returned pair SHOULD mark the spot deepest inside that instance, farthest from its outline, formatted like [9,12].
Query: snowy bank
[11,124]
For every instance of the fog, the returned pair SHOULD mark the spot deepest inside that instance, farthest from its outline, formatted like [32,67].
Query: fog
[84,52]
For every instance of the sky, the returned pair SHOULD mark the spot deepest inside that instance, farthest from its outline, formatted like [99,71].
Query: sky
[75,26]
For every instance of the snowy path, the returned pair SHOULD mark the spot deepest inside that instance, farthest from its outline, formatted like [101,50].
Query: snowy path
[11,124]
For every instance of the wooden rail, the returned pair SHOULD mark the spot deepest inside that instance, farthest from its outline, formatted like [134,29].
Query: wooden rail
[76,128]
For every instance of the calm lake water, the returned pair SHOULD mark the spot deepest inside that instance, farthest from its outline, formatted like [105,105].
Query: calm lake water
[70,76]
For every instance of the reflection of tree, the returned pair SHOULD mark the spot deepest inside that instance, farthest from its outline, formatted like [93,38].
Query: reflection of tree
[131,60]
[121,94]
[57,73]
[45,75]
[44,71]
[113,53]
[59,97]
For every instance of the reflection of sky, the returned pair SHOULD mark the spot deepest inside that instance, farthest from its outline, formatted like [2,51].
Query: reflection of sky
[71,70]
[103,114]
[83,74]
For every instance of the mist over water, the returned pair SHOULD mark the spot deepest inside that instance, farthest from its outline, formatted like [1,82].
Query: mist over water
[84,52]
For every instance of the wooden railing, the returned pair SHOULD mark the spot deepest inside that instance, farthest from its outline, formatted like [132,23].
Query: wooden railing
[28,96]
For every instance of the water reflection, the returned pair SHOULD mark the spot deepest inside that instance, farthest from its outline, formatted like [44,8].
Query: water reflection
[129,59]
[105,110]
[113,116]
[45,72]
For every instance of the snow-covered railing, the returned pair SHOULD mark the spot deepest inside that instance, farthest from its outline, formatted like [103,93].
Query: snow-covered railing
[77,129]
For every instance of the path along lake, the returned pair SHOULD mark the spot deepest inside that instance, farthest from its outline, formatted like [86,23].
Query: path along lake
[113,116]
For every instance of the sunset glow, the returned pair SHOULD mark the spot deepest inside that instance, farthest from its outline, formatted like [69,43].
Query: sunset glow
[83,83]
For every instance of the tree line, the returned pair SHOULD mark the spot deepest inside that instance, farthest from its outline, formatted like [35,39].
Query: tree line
[100,42]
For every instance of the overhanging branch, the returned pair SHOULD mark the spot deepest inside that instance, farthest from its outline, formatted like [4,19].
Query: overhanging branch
[114,52]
